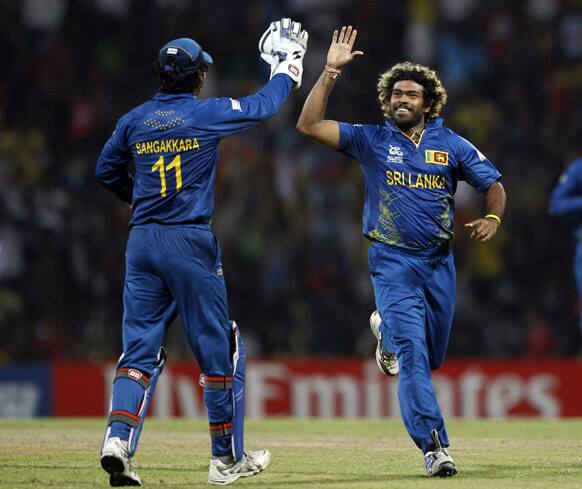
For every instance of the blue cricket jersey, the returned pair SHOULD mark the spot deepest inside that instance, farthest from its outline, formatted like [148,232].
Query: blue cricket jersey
[173,139]
[409,188]
[566,199]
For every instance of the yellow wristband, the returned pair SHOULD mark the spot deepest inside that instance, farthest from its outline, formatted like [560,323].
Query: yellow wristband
[493,216]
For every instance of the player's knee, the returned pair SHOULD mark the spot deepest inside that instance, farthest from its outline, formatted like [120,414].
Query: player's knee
[413,354]
[140,367]
[130,387]
[132,374]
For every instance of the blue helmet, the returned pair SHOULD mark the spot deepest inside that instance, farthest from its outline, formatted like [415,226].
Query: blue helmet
[182,55]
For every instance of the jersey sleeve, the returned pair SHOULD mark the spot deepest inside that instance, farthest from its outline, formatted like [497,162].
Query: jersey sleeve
[226,116]
[474,167]
[566,198]
[355,139]
[112,168]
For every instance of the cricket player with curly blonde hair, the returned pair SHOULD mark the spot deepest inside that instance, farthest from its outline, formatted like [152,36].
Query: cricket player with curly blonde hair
[411,167]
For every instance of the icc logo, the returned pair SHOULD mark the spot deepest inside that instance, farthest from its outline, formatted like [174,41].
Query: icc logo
[395,151]
[395,155]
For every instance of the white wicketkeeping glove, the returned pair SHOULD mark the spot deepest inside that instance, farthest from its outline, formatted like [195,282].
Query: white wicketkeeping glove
[283,46]
[271,36]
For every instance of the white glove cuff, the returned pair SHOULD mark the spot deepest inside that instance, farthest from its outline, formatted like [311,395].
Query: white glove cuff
[292,68]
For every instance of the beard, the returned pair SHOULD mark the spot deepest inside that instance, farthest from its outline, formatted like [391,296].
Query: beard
[407,120]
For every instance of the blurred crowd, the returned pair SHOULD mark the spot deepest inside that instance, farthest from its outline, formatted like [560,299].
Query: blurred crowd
[288,211]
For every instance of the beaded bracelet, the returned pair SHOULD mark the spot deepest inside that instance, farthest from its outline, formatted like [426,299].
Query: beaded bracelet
[333,72]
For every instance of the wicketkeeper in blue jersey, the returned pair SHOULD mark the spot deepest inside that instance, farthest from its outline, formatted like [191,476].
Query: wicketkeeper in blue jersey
[173,263]
[411,167]
[566,201]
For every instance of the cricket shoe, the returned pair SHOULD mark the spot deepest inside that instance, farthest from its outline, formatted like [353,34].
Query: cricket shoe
[387,362]
[438,462]
[251,463]
[116,461]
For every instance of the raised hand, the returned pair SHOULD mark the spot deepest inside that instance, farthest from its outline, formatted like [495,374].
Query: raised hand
[283,46]
[340,51]
[284,30]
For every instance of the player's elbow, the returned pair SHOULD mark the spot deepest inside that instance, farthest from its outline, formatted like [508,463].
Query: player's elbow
[104,175]
[101,173]
[302,127]
[307,129]
[306,123]
[323,132]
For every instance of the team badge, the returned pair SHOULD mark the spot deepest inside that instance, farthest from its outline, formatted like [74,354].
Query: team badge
[437,157]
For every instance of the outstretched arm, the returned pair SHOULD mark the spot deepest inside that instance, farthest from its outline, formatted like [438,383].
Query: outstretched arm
[485,228]
[311,122]
[283,46]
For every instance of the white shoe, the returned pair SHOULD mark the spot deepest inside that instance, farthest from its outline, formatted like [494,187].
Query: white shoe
[387,362]
[250,464]
[116,461]
[438,462]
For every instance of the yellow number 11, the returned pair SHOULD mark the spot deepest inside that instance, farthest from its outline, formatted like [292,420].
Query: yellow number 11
[175,164]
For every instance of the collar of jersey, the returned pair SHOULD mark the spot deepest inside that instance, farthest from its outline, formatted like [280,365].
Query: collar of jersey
[427,128]
[173,96]
[429,125]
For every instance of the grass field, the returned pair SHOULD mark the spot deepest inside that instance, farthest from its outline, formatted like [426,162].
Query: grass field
[347,454]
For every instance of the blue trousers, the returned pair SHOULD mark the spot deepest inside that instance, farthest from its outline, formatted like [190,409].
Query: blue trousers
[415,296]
[169,271]
[173,271]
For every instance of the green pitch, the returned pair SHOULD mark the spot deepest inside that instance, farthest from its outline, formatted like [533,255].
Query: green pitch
[347,454]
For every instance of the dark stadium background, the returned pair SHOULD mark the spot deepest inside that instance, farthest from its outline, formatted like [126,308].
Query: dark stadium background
[288,211]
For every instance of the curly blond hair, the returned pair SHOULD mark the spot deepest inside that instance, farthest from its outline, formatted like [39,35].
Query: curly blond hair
[435,96]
